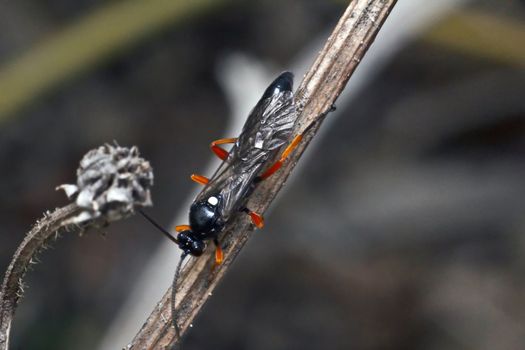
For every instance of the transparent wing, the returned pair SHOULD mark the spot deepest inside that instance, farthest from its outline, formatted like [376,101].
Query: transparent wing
[268,127]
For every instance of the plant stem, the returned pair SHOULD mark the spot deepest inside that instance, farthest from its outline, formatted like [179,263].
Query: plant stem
[45,230]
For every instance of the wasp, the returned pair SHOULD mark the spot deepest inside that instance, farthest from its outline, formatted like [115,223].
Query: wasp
[266,133]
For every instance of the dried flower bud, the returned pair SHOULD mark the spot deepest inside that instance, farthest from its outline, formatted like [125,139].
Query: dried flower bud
[111,182]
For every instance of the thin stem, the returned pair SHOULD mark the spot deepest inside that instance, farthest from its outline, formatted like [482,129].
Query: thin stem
[46,229]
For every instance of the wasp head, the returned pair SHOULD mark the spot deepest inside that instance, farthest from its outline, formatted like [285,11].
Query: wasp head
[190,244]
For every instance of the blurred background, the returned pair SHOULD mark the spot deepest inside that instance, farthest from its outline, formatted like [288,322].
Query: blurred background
[402,228]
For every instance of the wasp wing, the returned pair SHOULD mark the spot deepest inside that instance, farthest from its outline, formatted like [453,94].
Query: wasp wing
[268,127]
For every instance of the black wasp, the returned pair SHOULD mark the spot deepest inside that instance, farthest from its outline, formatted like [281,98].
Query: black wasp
[266,133]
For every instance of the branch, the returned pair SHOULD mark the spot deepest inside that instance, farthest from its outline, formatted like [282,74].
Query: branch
[111,182]
[321,86]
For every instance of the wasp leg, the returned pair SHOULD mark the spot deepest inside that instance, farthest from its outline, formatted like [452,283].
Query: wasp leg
[271,170]
[203,180]
[219,151]
[219,255]
[257,219]
[180,228]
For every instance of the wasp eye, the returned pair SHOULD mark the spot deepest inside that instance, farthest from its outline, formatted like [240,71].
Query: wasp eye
[197,248]
[183,238]
[190,244]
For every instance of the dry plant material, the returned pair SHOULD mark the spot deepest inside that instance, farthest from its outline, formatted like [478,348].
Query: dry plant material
[111,182]
[318,91]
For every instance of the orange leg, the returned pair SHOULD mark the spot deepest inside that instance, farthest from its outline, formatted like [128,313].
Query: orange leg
[219,255]
[180,228]
[257,219]
[203,180]
[219,151]
[271,170]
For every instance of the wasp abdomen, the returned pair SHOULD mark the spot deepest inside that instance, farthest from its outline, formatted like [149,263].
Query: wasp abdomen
[283,82]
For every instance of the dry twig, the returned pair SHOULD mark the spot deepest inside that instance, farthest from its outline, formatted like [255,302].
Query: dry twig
[321,86]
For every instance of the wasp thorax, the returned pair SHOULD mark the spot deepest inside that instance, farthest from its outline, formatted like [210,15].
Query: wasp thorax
[205,217]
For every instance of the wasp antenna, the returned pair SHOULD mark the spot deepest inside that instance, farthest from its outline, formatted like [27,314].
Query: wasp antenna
[160,228]
[173,296]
